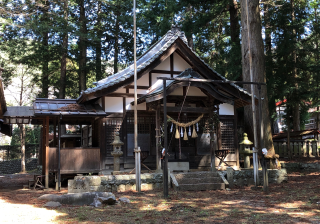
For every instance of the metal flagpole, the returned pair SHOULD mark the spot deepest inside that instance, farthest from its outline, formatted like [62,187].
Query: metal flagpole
[255,151]
[136,148]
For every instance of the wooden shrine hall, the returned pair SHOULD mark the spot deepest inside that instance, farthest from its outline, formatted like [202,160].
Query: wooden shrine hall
[195,109]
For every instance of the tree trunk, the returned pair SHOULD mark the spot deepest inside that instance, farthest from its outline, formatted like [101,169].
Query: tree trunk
[234,22]
[258,66]
[82,47]
[296,106]
[45,55]
[23,148]
[116,45]
[98,44]
[63,73]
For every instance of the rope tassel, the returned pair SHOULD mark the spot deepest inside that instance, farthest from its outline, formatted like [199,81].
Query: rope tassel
[194,133]
[185,135]
[177,136]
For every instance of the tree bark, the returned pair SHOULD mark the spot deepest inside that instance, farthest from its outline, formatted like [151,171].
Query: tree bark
[116,45]
[63,73]
[23,148]
[296,106]
[258,66]
[98,44]
[82,47]
[234,22]
[45,54]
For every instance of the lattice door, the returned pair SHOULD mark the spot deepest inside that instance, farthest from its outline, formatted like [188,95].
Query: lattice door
[227,134]
[112,126]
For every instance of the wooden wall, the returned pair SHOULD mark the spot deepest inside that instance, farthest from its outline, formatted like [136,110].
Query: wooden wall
[75,160]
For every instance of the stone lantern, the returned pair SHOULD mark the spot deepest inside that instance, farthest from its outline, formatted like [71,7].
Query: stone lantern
[116,153]
[245,150]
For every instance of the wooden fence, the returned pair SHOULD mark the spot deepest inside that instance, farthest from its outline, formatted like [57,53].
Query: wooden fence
[299,148]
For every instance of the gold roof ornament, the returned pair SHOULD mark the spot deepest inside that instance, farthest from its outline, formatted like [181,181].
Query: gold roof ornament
[245,140]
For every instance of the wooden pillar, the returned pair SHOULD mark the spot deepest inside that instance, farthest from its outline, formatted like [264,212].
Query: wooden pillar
[43,147]
[47,154]
[40,151]
[212,142]
[236,145]
[54,132]
[158,149]
[124,131]
[219,141]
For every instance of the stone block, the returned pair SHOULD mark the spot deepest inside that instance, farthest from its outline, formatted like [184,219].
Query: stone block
[158,186]
[178,166]
[105,180]
[230,176]
[146,187]
[121,188]
[250,181]
[75,199]
[129,187]
[78,185]
[93,180]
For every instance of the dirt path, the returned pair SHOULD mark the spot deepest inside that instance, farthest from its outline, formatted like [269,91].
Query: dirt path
[297,201]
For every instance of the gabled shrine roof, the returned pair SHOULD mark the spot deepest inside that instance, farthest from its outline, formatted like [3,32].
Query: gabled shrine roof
[156,91]
[151,55]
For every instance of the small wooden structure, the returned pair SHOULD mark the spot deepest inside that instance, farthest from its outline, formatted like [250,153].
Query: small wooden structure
[84,159]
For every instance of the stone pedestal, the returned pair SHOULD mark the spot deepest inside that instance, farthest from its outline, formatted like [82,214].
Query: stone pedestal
[116,153]
[116,160]
[246,154]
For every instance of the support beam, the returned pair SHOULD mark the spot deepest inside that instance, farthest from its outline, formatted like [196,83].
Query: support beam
[187,110]
[212,142]
[158,149]
[59,155]
[47,154]
[43,147]
[236,145]
[54,132]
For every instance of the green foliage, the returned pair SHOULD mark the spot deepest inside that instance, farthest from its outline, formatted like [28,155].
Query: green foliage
[33,36]
[32,135]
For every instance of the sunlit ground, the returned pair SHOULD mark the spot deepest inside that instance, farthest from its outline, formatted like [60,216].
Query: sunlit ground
[24,213]
[297,201]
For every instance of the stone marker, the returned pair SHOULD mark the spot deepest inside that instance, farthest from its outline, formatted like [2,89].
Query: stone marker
[124,200]
[96,203]
[230,177]
[75,199]
[111,200]
[52,204]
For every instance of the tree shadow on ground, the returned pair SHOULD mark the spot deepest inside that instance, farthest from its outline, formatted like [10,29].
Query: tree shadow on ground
[293,202]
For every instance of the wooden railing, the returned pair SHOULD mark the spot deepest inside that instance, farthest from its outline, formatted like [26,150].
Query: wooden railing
[299,148]
[75,160]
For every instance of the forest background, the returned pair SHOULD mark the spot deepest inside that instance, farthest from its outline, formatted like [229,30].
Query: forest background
[59,48]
